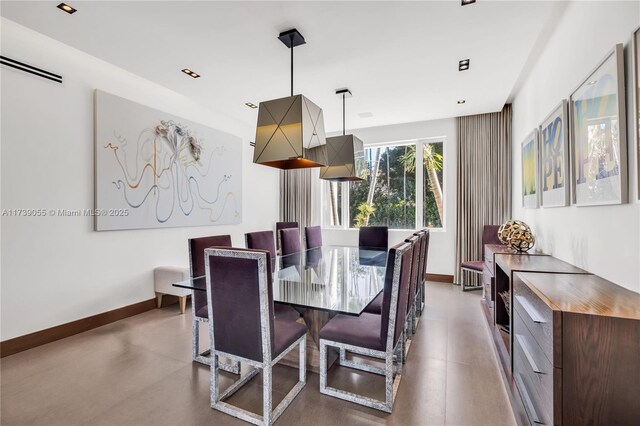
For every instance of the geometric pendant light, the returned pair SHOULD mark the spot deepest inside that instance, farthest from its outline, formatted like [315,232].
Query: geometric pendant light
[290,131]
[345,153]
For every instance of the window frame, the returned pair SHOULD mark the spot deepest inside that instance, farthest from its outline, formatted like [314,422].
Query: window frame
[419,213]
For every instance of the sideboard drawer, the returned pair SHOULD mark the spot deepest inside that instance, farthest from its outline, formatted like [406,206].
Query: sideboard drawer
[537,317]
[537,402]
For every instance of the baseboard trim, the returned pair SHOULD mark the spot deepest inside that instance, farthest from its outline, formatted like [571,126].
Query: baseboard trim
[440,278]
[38,338]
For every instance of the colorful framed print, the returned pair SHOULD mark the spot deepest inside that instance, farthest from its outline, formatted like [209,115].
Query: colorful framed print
[554,158]
[599,136]
[635,53]
[530,193]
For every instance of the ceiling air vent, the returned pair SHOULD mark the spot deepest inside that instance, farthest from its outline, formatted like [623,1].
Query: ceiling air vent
[21,66]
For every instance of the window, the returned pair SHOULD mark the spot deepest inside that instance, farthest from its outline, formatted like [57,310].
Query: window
[394,193]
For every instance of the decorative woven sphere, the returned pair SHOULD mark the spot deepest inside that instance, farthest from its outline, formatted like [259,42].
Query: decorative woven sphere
[505,229]
[517,235]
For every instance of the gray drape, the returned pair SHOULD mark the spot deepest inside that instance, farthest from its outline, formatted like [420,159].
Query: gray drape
[296,196]
[484,183]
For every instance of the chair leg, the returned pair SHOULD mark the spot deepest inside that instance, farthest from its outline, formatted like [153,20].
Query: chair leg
[204,357]
[465,287]
[343,356]
[323,366]
[391,382]
[302,374]
[266,395]
[195,339]
[388,383]
[215,391]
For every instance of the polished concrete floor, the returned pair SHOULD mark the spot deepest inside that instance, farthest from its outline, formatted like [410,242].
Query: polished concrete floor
[138,371]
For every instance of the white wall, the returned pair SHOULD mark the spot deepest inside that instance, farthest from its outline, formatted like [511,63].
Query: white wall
[56,270]
[603,240]
[442,242]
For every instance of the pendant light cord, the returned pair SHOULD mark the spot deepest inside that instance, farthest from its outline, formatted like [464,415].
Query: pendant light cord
[343,121]
[291,64]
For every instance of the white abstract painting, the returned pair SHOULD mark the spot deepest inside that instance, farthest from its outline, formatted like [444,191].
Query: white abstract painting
[156,170]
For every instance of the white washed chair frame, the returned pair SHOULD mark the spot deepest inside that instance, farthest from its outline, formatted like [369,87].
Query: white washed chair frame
[411,322]
[270,415]
[392,381]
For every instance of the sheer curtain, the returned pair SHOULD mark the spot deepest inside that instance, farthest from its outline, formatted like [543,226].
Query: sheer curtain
[484,182]
[299,190]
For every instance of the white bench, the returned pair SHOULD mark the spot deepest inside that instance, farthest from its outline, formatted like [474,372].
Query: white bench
[163,279]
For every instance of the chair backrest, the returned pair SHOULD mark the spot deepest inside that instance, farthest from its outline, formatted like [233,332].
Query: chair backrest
[313,236]
[240,295]
[289,241]
[489,236]
[374,237]
[283,225]
[262,240]
[424,242]
[196,261]
[416,245]
[425,250]
[395,294]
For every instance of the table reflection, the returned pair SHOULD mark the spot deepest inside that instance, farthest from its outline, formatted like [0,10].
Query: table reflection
[342,279]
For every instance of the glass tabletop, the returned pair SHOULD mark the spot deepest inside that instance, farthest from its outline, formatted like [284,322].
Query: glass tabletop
[332,278]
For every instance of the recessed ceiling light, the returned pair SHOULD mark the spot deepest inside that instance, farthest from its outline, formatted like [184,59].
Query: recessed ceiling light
[592,82]
[365,114]
[251,105]
[466,2]
[463,65]
[190,73]
[65,7]
[461,101]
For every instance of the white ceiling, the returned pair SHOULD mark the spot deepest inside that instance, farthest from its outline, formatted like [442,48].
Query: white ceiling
[400,59]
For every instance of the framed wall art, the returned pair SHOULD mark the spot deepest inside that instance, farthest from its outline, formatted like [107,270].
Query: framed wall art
[156,170]
[530,192]
[554,158]
[635,57]
[598,134]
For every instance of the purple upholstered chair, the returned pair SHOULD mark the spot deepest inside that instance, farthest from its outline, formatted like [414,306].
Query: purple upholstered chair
[489,236]
[243,328]
[313,236]
[412,317]
[198,298]
[283,225]
[424,251]
[374,237]
[289,241]
[263,240]
[379,336]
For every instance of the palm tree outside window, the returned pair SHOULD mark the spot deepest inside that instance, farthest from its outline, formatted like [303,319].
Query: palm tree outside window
[395,193]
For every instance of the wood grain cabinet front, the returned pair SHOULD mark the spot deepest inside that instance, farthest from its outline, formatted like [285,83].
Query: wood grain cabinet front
[576,349]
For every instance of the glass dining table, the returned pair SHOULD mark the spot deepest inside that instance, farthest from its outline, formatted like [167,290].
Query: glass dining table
[320,283]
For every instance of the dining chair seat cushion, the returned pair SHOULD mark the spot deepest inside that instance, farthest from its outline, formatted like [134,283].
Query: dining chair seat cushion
[362,331]
[286,332]
[375,307]
[473,265]
[280,312]
[285,312]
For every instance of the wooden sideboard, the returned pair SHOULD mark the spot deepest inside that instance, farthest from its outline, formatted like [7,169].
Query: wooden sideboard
[576,349]
[523,344]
